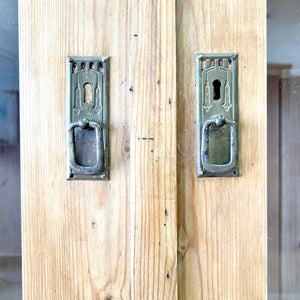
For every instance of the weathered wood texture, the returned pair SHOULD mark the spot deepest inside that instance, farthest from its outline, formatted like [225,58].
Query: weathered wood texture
[222,236]
[76,235]
[100,240]
[153,148]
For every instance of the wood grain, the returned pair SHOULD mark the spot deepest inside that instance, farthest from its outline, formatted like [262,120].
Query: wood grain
[222,234]
[76,235]
[92,240]
[153,149]
[77,241]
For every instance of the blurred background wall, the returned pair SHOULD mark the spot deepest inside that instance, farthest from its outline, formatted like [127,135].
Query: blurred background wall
[10,225]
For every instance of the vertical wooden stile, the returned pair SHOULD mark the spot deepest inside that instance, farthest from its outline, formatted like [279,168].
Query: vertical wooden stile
[222,228]
[153,149]
[75,235]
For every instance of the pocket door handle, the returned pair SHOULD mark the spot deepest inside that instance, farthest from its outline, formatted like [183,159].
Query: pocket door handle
[217,114]
[88,117]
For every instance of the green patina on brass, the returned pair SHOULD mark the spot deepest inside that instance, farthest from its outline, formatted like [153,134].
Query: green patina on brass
[88,121]
[217,115]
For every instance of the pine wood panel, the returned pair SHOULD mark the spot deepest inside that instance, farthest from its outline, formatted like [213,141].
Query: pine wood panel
[76,235]
[222,221]
[77,241]
[153,149]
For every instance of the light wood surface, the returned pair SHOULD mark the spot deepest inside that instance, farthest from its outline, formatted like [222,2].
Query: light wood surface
[153,149]
[76,235]
[100,240]
[222,234]
[117,239]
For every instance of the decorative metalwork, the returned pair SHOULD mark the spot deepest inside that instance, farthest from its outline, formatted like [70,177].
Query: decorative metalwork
[217,115]
[87,114]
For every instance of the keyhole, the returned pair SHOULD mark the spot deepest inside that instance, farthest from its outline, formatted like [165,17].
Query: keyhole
[217,89]
[87,93]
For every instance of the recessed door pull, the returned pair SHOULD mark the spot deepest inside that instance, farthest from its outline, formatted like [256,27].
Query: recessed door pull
[87,117]
[86,170]
[217,115]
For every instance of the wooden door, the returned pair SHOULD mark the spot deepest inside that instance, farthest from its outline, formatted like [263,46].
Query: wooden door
[222,243]
[118,239]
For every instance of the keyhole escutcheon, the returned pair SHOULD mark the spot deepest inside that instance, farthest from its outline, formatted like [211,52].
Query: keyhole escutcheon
[87,93]
[217,89]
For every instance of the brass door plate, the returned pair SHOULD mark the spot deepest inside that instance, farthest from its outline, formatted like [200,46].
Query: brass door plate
[217,115]
[88,117]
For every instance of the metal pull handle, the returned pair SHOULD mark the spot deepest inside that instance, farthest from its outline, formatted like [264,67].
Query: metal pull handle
[217,114]
[219,121]
[86,170]
[88,99]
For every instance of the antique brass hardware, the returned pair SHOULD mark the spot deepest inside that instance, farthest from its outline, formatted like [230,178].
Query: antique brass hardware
[87,117]
[217,115]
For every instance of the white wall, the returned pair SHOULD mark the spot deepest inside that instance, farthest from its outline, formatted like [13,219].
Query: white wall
[283,33]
